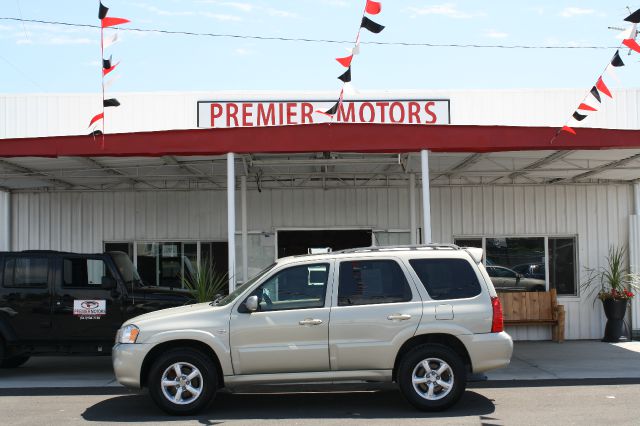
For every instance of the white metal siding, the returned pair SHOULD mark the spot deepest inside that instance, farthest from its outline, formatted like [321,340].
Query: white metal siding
[39,115]
[81,221]
[597,214]
[5,225]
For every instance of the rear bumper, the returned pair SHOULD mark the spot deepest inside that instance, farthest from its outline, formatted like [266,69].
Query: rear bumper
[127,363]
[488,351]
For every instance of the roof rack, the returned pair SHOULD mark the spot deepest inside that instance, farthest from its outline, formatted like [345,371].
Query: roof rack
[399,247]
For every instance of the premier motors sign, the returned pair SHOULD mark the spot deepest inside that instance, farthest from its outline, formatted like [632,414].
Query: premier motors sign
[288,113]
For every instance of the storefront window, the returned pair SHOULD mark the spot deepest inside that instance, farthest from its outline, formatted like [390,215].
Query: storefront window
[562,267]
[166,263]
[518,263]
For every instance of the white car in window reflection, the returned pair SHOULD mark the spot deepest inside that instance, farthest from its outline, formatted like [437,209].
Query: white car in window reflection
[505,279]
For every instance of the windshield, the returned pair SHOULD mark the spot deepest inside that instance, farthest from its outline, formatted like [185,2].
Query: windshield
[232,296]
[126,268]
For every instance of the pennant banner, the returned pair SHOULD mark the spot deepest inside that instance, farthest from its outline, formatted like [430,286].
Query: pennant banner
[579,116]
[102,12]
[110,41]
[107,65]
[346,77]
[96,118]
[106,71]
[373,7]
[586,107]
[634,17]
[113,102]
[632,44]
[617,60]
[111,22]
[603,87]
[374,27]
[346,61]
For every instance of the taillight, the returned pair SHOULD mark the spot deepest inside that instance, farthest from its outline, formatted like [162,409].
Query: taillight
[497,324]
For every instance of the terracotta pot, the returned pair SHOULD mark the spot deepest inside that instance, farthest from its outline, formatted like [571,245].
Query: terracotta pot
[614,310]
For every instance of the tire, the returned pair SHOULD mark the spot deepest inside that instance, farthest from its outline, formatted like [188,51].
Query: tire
[198,373]
[431,392]
[14,361]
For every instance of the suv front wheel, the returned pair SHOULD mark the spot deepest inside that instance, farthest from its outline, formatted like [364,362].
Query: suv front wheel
[183,381]
[432,377]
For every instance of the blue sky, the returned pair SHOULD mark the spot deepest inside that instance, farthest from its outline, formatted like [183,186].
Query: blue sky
[42,58]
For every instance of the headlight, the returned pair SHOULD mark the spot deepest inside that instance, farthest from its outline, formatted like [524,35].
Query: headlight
[127,334]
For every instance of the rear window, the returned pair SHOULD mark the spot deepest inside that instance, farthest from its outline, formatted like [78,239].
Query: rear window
[26,272]
[447,278]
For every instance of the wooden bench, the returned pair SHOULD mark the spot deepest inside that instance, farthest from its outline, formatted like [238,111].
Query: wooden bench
[534,308]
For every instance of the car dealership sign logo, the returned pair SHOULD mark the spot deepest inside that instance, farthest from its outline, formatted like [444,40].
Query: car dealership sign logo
[285,113]
[89,309]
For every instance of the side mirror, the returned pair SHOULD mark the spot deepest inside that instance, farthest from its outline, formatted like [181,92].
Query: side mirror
[251,303]
[518,276]
[108,283]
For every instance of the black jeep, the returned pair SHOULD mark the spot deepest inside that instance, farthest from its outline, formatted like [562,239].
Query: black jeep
[55,302]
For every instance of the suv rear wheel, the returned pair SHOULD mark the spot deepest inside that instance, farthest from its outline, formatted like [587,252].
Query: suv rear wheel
[432,377]
[183,381]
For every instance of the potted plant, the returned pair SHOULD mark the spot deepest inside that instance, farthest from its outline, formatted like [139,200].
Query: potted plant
[206,284]
[614,284]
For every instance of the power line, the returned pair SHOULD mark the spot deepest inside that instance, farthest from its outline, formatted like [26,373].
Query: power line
[309,40]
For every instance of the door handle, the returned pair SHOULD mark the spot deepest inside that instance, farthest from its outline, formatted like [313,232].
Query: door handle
[399,317]
[310,321]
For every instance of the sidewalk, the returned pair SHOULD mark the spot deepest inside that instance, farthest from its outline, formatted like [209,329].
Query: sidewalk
[531,361]
[577,359]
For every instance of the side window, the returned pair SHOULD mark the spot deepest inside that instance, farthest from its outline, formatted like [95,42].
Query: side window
[79,272]
[26,272]
[447,278]
[372,281]
[298,287]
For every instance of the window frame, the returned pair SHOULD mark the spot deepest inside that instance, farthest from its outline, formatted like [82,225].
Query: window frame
[480,280]
[408,277]
[327,294]
[546,237]
[87,258]
[8,257]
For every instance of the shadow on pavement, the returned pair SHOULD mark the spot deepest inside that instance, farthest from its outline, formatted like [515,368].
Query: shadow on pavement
[357,405]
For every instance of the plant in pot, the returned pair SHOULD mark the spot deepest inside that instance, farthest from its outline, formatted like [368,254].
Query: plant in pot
[206,284]
[615,285]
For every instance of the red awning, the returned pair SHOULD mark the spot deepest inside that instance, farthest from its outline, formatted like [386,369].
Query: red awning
[321,137]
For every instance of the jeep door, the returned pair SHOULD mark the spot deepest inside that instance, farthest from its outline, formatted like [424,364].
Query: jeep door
[25,296]
[83,309]
[289,331]
[376,309]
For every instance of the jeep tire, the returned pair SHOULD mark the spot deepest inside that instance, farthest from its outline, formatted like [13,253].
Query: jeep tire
[183,381]
[432,377]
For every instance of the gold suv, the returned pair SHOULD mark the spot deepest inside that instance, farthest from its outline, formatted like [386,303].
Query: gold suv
[421,316]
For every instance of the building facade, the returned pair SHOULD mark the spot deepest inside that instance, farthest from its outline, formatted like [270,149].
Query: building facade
[546,214]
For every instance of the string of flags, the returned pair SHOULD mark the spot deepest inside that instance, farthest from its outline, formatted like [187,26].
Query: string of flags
[108,66]
[593,98]
[371,8]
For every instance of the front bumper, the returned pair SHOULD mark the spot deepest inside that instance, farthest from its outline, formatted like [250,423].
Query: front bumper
[488,351]
[127,362]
